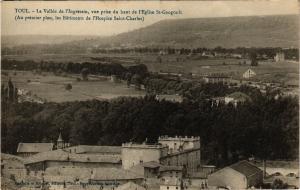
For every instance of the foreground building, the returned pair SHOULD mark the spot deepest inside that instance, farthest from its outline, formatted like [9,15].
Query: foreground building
[135,154]
[241,175]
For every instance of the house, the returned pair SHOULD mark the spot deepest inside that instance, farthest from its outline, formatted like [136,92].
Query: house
[241,175]
[236,97]
[29,149]
[249,74]
[279,57]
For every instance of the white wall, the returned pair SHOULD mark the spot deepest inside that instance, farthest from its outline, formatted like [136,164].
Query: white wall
[132,156]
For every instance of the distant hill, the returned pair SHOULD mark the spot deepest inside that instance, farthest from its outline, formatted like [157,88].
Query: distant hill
[229,32]
[254,31]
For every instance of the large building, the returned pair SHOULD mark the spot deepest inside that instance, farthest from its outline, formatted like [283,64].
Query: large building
[135,154]
[241,175]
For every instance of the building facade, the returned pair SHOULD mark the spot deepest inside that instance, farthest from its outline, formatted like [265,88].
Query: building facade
[135,154]
[190,160]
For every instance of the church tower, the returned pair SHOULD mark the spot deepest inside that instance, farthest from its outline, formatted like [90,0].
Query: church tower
[60,142]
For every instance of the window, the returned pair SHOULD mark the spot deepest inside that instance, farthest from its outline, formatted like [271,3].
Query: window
[167,187]
[176,187]
[141,161]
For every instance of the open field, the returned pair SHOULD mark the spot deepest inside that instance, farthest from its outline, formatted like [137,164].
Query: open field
[52,88]
[267,71]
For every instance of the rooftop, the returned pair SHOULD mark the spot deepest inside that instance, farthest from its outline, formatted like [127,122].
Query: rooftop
[133,145]
[130,186]
[34,147]
[62,155]
[114,174]
[96,149]
[245,168]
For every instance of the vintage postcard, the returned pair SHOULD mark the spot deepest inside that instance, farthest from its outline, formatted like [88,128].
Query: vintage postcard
[149,95]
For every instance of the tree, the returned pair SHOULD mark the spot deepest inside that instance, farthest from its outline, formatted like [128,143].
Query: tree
[278,184]
[137,81]
[84,73]
[68,87]
[253,58]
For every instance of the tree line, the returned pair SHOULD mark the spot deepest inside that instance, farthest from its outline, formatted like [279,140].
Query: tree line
[264,128]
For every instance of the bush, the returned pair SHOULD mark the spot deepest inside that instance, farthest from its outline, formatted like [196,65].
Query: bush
[68,86]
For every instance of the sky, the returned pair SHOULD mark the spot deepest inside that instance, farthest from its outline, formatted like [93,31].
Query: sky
[190,9]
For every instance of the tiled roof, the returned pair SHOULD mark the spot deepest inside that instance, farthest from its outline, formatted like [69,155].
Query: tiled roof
[96,149]
[130,186]
[245,168]
[61,155]
[34,147]
[114,174]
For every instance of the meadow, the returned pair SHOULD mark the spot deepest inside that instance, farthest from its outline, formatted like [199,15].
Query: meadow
[52,88]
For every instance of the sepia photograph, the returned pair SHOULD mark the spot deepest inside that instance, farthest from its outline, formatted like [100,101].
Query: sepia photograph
[150,95]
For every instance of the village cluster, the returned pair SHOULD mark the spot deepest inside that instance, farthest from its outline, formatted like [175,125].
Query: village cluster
[173,163]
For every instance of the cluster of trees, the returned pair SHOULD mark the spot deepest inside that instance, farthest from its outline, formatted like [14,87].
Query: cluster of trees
[77,68]
[264,128]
